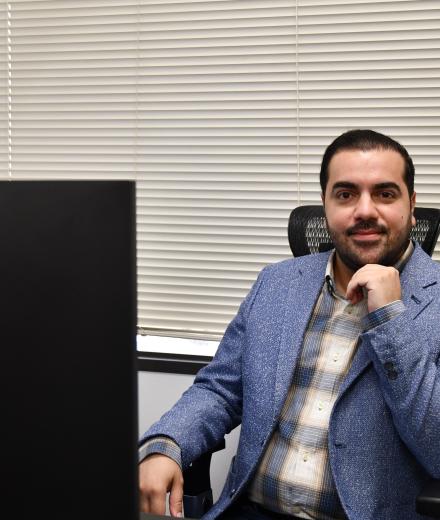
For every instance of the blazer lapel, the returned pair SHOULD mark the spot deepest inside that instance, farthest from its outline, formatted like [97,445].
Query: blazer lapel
[303,292]
[417,279]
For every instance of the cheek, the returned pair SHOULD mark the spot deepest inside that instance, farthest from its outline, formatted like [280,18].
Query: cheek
[399,220]
[338,221]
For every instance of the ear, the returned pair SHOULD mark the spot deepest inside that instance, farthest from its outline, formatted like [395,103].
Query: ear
[413,204]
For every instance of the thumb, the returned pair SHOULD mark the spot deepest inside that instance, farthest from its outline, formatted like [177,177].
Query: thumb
[176,498]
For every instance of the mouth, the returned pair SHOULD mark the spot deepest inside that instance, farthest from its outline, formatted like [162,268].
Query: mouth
[365,235]
[366,228]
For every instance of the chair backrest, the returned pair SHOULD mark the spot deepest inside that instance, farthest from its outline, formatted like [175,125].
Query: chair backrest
[308,233]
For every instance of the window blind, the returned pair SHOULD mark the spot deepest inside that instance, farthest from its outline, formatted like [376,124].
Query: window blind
[3,92]
[220,110]
[218,165]
[73,104]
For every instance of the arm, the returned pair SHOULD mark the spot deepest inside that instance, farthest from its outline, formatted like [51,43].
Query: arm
[211,407]
[405,355]
[405,352]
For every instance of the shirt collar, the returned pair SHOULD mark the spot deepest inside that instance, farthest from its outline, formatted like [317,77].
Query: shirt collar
[399,265]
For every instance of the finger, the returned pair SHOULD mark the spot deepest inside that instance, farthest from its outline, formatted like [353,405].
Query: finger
[354,291]
[176,498]
[143,503]
[355,296]
[157,503]
[143,493]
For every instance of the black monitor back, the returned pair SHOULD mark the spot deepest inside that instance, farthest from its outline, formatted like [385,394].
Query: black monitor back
[67,342]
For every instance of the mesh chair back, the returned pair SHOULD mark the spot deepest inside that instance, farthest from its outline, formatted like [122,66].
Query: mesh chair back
[308,233]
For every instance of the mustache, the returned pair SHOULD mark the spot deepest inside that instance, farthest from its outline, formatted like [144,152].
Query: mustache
[366,225]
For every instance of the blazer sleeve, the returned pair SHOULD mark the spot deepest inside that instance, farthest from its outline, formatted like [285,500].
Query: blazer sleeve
[406,355]
[212,406]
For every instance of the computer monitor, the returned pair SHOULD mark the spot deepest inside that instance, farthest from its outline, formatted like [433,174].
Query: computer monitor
[68,349]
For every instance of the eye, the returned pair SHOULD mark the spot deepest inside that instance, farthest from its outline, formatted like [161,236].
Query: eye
[343,195]
[387,195]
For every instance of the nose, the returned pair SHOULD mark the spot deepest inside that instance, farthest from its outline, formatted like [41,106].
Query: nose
[365,208]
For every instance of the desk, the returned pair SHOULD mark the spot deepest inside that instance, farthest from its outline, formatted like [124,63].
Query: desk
[147,516]
[428,502]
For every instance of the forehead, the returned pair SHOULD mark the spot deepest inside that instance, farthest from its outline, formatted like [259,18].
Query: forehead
[367,167]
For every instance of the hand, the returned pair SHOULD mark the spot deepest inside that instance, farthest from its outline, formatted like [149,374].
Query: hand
[381,283]
[158,475]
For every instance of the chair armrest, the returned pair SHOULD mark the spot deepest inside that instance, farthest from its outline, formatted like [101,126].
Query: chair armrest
[428,501]
[197,492]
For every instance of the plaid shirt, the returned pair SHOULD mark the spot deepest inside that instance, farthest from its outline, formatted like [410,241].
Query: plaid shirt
[294,475]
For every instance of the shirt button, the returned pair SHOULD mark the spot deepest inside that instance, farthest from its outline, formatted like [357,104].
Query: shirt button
[305,457]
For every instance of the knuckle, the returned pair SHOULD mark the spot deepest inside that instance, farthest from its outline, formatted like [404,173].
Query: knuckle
[150,489]
[155,491]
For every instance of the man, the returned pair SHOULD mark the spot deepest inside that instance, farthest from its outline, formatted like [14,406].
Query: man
[331,366]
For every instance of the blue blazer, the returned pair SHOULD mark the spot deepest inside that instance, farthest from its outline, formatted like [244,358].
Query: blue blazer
[384,432]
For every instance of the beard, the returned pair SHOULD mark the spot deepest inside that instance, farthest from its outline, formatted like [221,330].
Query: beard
[385,251]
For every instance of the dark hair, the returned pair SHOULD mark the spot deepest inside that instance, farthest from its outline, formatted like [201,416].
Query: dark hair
[366,140]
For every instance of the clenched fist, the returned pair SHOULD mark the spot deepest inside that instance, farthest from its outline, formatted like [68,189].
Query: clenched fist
[381,284]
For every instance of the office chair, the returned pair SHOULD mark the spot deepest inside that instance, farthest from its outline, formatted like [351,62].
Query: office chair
[307,233]
[197,492]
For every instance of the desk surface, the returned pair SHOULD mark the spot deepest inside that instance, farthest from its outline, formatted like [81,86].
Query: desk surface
[145,516]
[428,502]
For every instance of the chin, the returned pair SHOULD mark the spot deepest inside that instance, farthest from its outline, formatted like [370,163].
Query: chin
[373,257]
[373,260]
[357,258]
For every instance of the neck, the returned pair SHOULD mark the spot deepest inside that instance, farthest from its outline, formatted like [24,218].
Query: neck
[342,274]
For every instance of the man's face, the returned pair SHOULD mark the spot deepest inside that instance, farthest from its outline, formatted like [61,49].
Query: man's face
[368,207]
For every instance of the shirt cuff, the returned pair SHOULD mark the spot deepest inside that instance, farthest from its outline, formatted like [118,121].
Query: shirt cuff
[163,445]
[383,314]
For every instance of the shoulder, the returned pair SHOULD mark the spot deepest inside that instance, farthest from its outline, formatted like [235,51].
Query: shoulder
[314,263]
[285,279]
[421,264]
[421,275]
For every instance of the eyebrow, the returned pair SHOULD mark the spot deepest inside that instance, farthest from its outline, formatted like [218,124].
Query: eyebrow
[379,186]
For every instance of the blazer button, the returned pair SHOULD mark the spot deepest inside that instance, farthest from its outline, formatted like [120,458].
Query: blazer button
[388,365]
[392,374]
